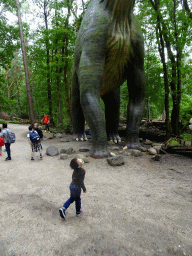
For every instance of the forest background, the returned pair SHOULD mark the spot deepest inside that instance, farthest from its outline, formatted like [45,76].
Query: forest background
[48,42]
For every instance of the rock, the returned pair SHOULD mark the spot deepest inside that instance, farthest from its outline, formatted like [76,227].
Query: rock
[115,160]
[127,153]
[190,121]
[83,149]
[58,135]
[135,152]
[83,157]
[86,159]
[115,148]
[157,148]
[63,156]
[143,149]
[63,151]
[152,151]
[148,142]
[52,151]
[112,154]
[48,135]
[64,140]
[157,144]
[70,151]
[78,156]
[156,157]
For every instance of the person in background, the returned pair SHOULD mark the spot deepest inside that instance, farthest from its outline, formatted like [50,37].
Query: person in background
[46,122]
[1,143]
[4,134]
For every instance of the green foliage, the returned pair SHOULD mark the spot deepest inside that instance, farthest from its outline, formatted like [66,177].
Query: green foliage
[2,121]
[57,41]
[173,142]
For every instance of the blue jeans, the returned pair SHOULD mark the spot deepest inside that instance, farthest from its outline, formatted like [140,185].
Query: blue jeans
[7,146]
[75,192]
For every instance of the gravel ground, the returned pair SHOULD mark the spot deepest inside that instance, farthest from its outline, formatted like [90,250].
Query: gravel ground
[140,208]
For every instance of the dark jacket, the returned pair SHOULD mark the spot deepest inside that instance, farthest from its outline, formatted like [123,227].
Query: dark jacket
[40,133]
[78,178]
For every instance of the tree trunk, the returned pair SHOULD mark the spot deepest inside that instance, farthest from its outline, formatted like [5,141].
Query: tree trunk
[67,87]
[25,66]
[161,48]
[49,94]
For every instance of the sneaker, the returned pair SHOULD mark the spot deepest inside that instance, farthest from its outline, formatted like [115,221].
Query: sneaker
[41,157]
[6,159]
[78,214]
[45,131]
[62,213]
[32,159]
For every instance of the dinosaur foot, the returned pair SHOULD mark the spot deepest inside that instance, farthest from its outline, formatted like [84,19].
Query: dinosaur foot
[79,137]
[114,137]
[99,153]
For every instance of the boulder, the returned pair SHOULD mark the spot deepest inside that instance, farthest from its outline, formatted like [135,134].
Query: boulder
[63,157]
[83,157]
[63,151]
[152,151]
[48,135]
[115,160]
[58,135]
[52,151]
[148,142]
[135,152]
[143,149]
[157,148]
[70,151]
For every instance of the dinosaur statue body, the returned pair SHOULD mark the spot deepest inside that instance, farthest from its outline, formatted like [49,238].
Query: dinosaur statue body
[109,50]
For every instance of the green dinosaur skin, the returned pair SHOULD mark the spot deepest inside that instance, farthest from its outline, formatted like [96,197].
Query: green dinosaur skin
[92,80]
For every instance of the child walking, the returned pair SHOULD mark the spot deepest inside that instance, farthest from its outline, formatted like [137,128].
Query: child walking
[35,142]
[75,187]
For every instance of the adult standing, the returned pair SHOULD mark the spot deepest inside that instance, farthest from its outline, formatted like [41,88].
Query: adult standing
[4,134]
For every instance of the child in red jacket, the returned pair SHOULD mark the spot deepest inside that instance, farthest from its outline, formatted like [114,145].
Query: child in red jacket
[46,122]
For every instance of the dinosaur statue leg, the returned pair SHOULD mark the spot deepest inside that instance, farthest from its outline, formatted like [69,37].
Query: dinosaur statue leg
[78,119]
[90,79]
[136,88]
[112,105]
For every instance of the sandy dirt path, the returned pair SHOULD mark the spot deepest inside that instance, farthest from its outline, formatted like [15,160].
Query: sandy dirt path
[140,208]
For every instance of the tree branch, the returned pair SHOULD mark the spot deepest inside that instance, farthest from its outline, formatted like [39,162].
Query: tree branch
[186,6]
